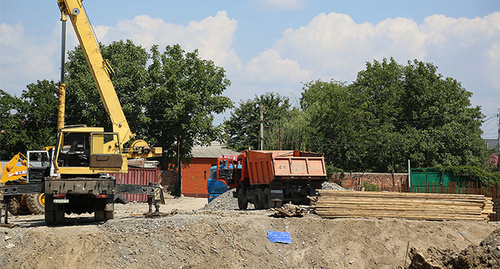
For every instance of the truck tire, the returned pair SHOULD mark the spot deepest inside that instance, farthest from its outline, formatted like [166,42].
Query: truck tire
[50,218]
[276,204]
[109,211]
[109,214]
[15,207]
[266,199]
[258,198]
[99,215]
[59,214]
[242,199]
[36,203]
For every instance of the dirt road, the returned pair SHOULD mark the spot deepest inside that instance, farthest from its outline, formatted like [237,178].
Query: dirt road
[193,237]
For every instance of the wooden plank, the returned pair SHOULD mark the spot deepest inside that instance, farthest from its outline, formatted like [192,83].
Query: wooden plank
[397,194]
[426,206]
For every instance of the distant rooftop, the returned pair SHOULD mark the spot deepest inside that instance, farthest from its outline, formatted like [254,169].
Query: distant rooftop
[215,150]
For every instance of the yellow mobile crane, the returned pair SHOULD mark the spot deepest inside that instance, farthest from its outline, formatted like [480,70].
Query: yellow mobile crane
[79,181]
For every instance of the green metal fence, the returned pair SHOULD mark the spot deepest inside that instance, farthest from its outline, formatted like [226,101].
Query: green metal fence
[422,176]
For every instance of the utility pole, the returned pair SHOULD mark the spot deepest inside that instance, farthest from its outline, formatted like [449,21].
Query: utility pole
[281,145]
[179,162]
[498,117]
[261,126]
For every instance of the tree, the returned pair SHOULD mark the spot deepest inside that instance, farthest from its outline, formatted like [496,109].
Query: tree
[243,127]
[392,113]
[184,92]
[28,122]
[84,105]
[172,99]
[335,123]
[290,133]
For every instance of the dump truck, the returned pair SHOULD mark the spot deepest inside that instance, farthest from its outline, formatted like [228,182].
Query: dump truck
[271,178]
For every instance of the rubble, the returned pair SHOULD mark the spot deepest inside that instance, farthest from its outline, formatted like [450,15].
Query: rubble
[332,186]
[225,201]
[485,255]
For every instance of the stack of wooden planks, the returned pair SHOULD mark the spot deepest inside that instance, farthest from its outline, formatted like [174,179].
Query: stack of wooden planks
[419,206]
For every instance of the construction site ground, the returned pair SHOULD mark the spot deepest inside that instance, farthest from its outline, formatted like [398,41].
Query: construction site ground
[197,235]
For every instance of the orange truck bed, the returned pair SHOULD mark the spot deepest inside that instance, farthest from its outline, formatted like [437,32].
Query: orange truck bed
[267,166]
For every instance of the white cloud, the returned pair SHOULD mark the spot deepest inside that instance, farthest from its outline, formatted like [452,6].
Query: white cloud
[277,5]
[212,36]
[269,67]
[334,46]
[25,59]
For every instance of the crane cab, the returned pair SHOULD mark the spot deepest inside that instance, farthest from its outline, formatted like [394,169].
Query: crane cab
[88,150]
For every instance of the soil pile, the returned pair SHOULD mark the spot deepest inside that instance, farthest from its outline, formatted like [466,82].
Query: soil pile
[213,238]
[484,255]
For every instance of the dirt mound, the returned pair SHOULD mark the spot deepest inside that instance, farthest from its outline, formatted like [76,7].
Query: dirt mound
[194,238]
[485,255]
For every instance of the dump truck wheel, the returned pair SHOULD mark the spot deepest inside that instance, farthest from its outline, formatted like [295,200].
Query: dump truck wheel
[242,199]
[36,203]
[277,204]
[258,199]
[266,199]
[15,207]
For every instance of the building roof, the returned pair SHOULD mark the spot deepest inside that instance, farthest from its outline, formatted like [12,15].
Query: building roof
[215,150]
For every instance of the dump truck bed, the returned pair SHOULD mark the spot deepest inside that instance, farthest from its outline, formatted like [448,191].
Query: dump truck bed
[267,166]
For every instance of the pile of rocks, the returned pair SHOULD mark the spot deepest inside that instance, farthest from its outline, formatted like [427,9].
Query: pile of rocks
[332,186]
[225,201]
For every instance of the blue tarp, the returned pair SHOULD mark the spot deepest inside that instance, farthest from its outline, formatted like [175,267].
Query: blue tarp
[279,237]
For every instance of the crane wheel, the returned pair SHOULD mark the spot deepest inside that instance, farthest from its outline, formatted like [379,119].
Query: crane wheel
[36,203]
[15,207]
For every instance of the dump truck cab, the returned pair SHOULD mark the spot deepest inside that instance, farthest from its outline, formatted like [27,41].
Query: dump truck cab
[222,176]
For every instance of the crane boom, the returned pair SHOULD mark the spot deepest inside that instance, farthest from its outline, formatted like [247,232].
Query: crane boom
[100,68]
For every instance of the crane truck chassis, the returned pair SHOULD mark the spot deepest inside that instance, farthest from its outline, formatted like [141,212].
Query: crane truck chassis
[75,195]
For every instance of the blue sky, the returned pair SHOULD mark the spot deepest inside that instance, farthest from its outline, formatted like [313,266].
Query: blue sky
[274,45]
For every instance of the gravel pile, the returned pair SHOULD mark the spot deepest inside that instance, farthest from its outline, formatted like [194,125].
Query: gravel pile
[225,201]
[332,186]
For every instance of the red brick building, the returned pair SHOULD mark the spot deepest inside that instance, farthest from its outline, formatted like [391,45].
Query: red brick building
[194,183]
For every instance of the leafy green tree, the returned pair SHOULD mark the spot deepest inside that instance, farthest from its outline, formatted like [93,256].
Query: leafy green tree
[392,113]
[336,123]
[167,97]
[184,93]
[290,133]
[28,122]
[243,127]
[84,105]
[9,126]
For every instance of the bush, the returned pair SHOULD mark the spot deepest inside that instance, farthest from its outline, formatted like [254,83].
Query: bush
[472,173]
[370,187]
[334,174]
